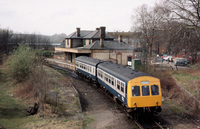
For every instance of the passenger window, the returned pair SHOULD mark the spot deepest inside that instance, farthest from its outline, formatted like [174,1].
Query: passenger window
[118,85]
[154,90]
[122,87]
[145,90]
[106,77]
[135,91]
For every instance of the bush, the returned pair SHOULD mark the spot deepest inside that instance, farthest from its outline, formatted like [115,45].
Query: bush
[45,53]
[21,63]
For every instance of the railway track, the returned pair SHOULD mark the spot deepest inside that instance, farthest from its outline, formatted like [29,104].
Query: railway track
[152,125]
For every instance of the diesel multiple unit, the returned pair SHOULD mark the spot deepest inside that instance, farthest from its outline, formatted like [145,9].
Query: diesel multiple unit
[135,90]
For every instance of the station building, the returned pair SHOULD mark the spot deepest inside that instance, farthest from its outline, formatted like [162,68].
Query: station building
[95,44]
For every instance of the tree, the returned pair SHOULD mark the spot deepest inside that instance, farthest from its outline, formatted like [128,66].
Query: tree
[5,40]
[187,12]
[147,20]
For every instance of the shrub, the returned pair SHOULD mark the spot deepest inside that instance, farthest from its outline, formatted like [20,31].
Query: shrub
[45,53]
[21,63]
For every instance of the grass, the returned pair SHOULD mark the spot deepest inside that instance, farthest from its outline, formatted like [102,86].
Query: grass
[173,107]
[87,121]
[12,113]
[62,71]
[189,80]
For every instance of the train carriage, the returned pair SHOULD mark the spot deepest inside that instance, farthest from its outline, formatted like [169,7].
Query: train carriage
[87,66]
[136,90]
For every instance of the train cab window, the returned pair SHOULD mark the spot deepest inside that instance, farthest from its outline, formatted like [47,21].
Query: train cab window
[122,87]
[145,90]
[154,90]
[118,85]
[135,91]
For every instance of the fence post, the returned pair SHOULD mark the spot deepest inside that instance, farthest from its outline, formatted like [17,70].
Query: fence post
[40,105]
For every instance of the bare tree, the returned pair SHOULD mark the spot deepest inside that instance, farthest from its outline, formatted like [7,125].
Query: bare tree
[147,20]
[187,12]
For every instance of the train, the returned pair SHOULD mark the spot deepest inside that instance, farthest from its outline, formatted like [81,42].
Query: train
[137,91]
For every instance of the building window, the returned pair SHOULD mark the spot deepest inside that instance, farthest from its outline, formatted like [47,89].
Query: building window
[129,58]
[68,42]
[84,43]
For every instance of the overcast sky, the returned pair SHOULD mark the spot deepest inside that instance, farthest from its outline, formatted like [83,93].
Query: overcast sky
[63,16]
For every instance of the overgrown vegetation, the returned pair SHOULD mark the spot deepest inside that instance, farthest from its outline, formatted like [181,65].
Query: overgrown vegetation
[190,79]
[21,63]
[22,79]
[12,111]
[45,53]
[185,97]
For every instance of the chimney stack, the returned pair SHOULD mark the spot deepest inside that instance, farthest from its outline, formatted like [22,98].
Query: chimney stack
[78,32]
[120,38]
[102,35]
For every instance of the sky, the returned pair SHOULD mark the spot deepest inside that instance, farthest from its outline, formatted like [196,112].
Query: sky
[50,17]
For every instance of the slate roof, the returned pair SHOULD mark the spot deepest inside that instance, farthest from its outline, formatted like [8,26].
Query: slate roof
[83,33]
[112,45]
[96,35]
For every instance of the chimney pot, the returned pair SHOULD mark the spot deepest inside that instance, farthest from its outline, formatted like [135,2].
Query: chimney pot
[78,32]
[120,38]
[102,35]
[102,31]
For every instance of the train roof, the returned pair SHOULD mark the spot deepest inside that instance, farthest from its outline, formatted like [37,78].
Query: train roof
[122,72]
[88,60]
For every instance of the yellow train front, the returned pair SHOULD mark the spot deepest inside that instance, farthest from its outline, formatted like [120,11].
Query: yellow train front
[144,94]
